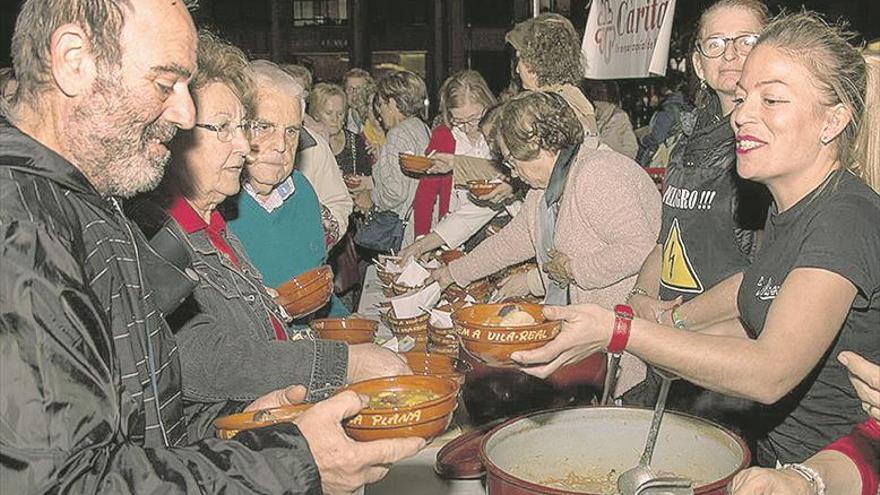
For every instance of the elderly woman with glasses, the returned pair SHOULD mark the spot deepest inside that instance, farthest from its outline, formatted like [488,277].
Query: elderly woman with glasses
[233,338]
[710,215]
[590,219]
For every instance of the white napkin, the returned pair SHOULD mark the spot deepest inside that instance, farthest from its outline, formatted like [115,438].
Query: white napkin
[440,319]
[410,305]
[413,274]
[432,264]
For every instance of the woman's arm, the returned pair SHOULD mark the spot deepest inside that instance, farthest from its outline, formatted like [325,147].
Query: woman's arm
[511,245]
[715,305]
[795,337]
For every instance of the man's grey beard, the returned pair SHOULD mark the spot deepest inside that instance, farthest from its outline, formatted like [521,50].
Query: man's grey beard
[108,136]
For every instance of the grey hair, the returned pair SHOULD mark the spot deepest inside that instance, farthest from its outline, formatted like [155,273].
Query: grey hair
[102,21]
[266,73]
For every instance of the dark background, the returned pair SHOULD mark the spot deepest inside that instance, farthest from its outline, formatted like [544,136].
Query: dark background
[406,32]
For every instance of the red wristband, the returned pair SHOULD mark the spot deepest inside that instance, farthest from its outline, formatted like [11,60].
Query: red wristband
[623,316]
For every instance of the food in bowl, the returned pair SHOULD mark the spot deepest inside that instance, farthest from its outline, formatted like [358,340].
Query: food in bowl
[401,398]
[403,406]
[512,316]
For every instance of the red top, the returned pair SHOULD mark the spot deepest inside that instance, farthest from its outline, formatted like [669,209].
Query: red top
[432,187]
[190,221]
[862,446]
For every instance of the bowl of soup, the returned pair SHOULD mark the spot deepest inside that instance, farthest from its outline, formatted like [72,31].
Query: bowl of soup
[403,406]
[350,330]
[492,332]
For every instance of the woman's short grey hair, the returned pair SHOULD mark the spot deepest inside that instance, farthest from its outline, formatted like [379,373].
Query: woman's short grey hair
[406,88]
[534,121]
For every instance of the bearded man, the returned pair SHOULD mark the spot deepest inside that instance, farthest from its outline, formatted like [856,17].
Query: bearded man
[90,392]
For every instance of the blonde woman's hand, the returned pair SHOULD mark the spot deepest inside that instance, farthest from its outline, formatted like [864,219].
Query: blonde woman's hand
[441,163]
[586,329]
[764,481]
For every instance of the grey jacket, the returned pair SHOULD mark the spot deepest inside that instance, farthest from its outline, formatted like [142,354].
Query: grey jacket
[90,392]
[392,189]
[227,342]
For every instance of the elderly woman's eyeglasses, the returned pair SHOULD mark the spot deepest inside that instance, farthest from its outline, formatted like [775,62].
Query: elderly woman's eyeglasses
[461,124]
[260,129]
[714,46]
[225,131]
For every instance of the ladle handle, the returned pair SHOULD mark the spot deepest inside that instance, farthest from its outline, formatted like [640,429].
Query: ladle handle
[611,374]
[665,382]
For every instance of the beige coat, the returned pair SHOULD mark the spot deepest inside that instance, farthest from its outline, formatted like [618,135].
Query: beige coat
[608,222]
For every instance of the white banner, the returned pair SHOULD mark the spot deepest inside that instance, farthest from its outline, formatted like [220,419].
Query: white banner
[628,38]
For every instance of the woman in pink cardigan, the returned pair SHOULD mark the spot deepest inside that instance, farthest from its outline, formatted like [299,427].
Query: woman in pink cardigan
[591,217]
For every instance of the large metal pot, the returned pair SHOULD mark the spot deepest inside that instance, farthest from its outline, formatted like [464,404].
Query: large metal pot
[526,454]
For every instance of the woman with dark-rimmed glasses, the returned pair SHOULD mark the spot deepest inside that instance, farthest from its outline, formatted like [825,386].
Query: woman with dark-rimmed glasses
[710,215]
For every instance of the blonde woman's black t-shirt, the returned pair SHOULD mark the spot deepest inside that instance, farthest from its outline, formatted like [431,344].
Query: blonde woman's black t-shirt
[834,228]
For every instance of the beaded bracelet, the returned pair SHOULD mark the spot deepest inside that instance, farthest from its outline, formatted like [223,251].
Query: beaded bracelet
[816,482]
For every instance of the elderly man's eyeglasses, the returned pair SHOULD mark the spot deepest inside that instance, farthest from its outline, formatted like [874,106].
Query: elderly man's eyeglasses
[260,129]
[225,131]
[714,46]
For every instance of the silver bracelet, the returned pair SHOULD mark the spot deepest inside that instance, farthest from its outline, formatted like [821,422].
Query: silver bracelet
[637,291]
[816,482]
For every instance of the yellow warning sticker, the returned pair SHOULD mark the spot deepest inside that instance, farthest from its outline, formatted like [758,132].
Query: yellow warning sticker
[678,272]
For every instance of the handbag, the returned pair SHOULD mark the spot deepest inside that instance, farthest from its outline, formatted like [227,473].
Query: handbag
[382,232]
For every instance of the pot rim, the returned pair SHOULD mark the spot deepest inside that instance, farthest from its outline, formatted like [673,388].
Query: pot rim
[494,470]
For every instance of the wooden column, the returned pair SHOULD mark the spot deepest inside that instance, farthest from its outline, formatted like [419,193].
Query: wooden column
[358,48]
[281,15]
[438,52]
[457,33]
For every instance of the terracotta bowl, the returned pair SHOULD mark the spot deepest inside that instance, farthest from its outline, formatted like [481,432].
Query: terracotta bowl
[450,255]
[450,350]
[495,343]
[405,326]
[481,187]
[350,330]
[386,277]
[425,419]
[400,289]
[306,304]
[426,363]
[480,290]
[413,163]
[306,292]
[228,426]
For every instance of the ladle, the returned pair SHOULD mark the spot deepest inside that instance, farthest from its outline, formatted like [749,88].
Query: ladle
[641,479]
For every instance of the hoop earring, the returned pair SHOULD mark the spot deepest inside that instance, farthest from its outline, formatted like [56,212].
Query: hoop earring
[703,84]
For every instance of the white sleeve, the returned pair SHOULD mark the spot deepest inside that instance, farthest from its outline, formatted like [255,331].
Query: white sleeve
[319,166]
[464,221]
